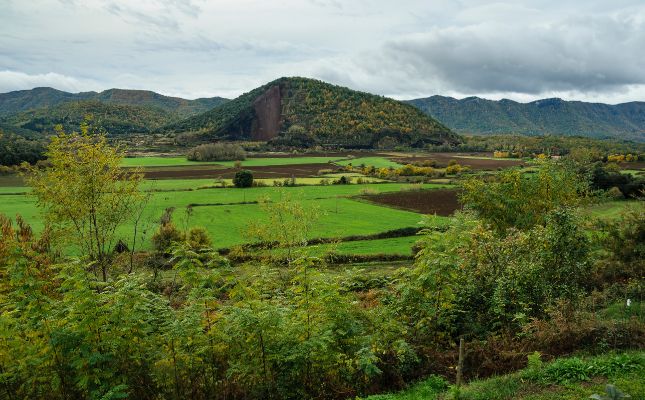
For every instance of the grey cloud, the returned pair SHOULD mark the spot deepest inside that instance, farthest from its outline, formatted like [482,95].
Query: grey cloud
[165,17]
[585,53]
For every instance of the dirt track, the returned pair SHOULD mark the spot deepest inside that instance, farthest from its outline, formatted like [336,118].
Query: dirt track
[440,201]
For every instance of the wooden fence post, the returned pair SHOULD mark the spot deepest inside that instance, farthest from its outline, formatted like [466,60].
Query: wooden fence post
[460,365]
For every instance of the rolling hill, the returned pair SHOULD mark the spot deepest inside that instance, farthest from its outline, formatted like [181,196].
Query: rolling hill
[541,117]
[24,100]
[305,112]
[116,119]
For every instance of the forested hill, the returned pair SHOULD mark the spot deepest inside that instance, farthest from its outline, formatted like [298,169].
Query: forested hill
[24,100]
[116,119]
[304,112]
[541,117]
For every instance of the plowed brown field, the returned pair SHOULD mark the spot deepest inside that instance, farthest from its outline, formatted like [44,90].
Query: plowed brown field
[437,201]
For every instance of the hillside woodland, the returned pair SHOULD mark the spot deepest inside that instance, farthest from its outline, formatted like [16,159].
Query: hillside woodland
[474,115]
[306,112]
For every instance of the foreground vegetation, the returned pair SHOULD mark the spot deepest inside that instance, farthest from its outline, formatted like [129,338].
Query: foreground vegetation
[564,379]
[522,269]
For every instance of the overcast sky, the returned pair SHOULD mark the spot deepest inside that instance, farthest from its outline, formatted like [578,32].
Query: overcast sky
[591,50]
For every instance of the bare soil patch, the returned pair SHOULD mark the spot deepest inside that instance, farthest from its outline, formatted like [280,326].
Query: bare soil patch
[265,172]
[442,202]
[443,159]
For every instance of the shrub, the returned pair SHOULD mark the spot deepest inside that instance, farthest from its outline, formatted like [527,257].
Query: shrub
[454,168]
[216,152]
[166,235]
[623,247]
[343,180]
[198,238]
[243,179]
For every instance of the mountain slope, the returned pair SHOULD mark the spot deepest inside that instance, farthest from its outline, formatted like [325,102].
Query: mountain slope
[116,119]
[24,100]
[541,117]
[298,110]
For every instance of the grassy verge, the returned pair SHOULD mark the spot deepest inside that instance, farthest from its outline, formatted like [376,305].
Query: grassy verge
[573,378]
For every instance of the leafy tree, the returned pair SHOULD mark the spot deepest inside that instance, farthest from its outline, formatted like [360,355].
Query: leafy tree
[515,199]
[288,223]
[216,152]
[511,278]
[427,294]
[15,150]
[85,195]
[243,179]
[622,244]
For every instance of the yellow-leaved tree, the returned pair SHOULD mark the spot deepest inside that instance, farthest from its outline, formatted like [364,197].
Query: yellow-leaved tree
[85,195]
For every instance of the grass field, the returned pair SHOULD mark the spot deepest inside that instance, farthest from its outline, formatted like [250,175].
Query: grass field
[217,211]
[227,221]
[378,162]
[609,209]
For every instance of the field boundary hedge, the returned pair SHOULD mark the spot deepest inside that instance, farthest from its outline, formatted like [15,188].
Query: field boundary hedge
[391,234]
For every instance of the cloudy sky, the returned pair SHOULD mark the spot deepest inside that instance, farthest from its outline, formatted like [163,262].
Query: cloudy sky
[591,50]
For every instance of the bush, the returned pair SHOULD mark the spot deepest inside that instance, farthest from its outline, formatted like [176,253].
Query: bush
[216,152]
[198,238]
[343,180]
[454,168]
[166,235]
[243,179]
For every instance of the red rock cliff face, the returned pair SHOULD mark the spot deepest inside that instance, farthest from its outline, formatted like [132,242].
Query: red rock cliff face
[267,112]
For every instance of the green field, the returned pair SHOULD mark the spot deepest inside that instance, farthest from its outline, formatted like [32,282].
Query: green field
[378,162]
[609,209]
[227,222]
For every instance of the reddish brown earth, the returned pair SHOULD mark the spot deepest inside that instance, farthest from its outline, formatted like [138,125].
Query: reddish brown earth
[267,108]
[437,201]
[443,159]
[265,172]
[633,165]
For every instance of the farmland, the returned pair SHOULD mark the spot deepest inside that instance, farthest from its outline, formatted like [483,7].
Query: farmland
[226,211]
[361,250]
[355,209]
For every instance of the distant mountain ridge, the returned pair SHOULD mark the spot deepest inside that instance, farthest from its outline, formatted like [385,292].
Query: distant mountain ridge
[306,112]
[116,119]
[541,117]
[25,100]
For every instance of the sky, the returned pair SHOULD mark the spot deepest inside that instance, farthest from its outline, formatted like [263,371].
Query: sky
[590,50]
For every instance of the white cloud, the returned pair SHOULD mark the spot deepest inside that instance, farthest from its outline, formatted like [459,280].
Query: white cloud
[13,80]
